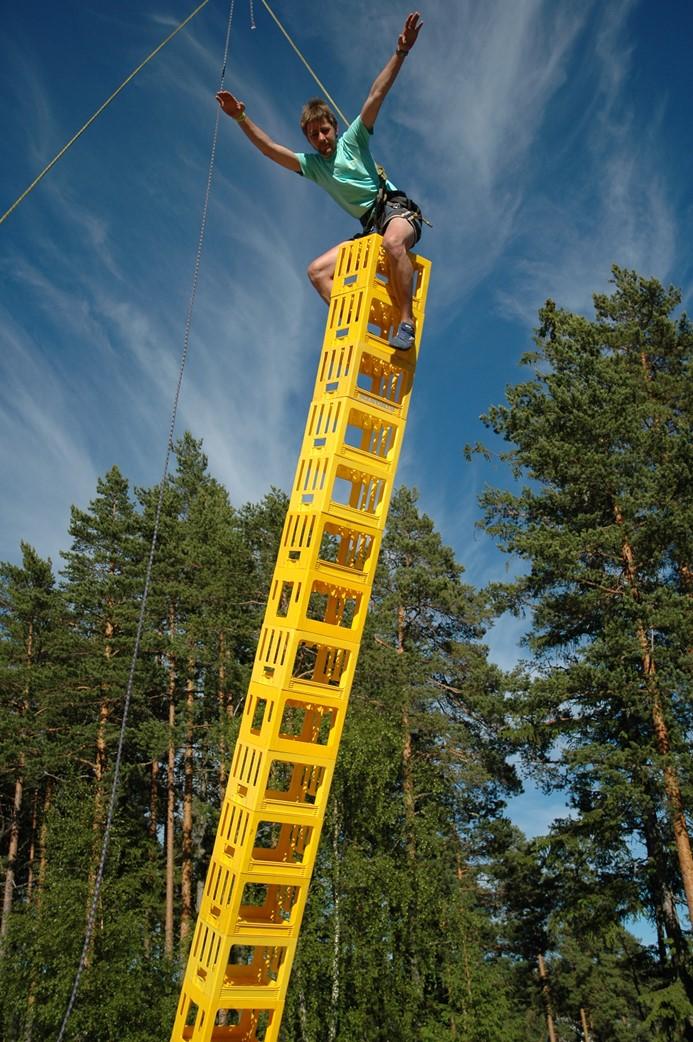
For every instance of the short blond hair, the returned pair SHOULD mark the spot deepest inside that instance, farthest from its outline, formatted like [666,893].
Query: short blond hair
[316,108]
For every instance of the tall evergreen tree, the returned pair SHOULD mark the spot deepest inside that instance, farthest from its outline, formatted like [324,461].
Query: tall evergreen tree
[601,438]
[103,576]
[30,619]
[427,911]
[209,587]
[396,920]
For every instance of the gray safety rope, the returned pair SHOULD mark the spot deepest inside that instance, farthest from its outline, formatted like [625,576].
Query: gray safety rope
[49,166]
[91,920]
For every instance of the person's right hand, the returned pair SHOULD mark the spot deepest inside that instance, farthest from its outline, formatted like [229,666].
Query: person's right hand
[230,105]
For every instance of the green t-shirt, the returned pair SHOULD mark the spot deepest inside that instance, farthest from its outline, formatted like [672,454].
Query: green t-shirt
[349,174]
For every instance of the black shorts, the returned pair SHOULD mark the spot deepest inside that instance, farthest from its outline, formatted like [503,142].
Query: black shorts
[396,205]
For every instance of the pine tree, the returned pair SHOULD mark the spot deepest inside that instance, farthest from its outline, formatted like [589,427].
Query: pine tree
[30,616]
[209,587]
[601,438]
[103,574]
[396,943]
[71,744]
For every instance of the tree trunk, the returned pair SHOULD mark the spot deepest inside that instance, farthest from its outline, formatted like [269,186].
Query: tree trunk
[152,825]
[221,695]
[408,787]
[100,764]
[152,851]
[101,751]
[186,837]
[170,809]
[32,848]
[672,787]
[99,816]
[40,884]
[671,781]
[13,847]
[43,844]
[671,941]
[585,1025]
[10,872]
[546,999]
[302,1008]
[104,713]
[409,797]
[336,938]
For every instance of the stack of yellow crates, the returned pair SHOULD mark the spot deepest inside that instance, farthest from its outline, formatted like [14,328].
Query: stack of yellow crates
[256,888]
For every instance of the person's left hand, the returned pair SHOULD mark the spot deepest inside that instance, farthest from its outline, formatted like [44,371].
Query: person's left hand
[412,28]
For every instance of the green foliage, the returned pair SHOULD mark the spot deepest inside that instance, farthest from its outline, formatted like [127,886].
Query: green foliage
[427,910]
[396,921]
[601,448]
[669,1013]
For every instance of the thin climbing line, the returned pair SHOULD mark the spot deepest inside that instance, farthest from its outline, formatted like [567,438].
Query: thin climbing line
[116,92]
[91,920]
[321,85]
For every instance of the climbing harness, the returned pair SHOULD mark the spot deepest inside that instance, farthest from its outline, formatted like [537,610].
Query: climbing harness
[372,216]
[49,166]
[389,203]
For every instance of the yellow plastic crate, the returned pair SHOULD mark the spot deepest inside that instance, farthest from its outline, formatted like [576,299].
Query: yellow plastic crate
[283,763]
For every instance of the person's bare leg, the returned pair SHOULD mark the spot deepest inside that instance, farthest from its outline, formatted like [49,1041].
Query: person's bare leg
[321,272]
[398,239]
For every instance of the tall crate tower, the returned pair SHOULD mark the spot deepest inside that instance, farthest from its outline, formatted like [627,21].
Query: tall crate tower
[250,916]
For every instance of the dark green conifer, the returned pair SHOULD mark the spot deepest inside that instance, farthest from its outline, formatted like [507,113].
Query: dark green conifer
[601,443]
[396,920]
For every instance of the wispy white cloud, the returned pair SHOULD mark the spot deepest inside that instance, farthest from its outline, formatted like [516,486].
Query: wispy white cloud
[616,208]
[254,334]
[45,451]
[475,121]
[107,244]
[631,224]
[459,125]
[613,50]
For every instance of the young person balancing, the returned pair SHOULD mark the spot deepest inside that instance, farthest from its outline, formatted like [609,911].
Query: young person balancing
[344,167]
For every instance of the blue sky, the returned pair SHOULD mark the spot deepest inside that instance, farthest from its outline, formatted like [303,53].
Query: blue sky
[545,140]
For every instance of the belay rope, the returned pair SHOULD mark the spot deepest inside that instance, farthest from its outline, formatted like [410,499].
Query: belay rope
[49,166]
[91,919]
[381,199]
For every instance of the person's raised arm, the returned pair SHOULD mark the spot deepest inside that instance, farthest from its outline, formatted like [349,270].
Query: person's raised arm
[385,79]
[278,153]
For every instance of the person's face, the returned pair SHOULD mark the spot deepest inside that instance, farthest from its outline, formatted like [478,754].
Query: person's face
[322,136]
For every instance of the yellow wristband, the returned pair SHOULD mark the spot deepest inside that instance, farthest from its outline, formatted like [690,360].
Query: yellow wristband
[242,118]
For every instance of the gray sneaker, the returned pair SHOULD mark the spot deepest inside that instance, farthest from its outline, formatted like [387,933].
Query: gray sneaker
[403,339]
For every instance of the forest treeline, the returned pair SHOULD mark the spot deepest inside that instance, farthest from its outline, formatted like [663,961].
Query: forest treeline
[431,917]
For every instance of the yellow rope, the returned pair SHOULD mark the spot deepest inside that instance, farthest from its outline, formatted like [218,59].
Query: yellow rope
[98,112]
[322,87]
